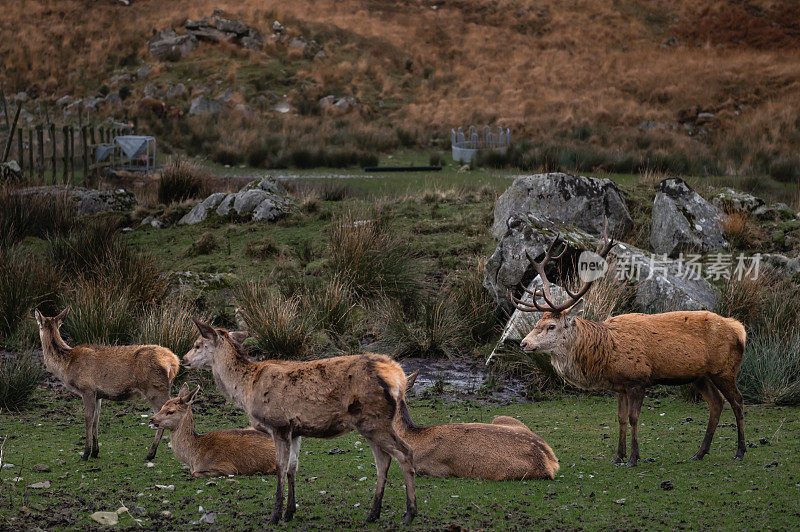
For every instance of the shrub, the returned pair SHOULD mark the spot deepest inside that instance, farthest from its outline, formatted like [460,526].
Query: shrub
[26,282]
[19,377]
[205,244]
[434,330]
[85,248]
[436,159]
[335,192]
[181,179]
[30,215]
[785,169]
[101,312]
[333,306]
[473,303]
[770,371]
[170,325]
[261,249]
[374,261]
[766,304]
[737,229]
[280,325]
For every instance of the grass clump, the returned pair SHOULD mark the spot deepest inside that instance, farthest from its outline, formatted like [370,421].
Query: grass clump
[101,312]
[433,330]
[261,249]
[26,282]
[181,180]
[333,306]
[473,303]
[279,324]
[23,215]
[170,325]
[770,371]
[19,377]
[373,260]
[737,229]
[206,244]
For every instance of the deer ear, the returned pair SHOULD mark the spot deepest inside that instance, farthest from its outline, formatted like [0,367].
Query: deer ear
[411,379]
[38,316]
[206,330]
[184,391]
[190,397]
[60,318]
[239,336]
[576,310]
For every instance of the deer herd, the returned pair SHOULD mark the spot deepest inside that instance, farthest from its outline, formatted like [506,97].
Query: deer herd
[288,400]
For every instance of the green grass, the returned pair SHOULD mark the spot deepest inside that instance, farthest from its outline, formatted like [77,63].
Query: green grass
[715,493]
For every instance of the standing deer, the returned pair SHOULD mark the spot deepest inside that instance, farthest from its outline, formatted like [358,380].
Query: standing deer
[628,353]
[504,450]
[116,373]
[223,452]
[321,399]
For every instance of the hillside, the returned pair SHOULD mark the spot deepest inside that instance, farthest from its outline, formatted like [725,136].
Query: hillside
[715,82]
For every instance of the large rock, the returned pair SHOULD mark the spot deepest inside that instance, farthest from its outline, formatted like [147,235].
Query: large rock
[263,200]
[729,200]
[205,106]
[659,285]
[584,202]
[168,45]
[682,221]
[87,201]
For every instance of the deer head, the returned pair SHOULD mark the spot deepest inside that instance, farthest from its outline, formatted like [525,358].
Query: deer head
[174,410]
[555,326]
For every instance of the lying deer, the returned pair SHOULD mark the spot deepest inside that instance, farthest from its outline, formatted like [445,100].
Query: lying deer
[504,450]
[628,353]
[321,399]
[224,452]
[116,373]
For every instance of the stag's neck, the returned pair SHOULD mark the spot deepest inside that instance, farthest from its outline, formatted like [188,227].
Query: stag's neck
[233,375]
[184,438]
[592,345]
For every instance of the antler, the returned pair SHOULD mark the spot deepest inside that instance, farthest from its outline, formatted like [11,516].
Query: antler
[544,292]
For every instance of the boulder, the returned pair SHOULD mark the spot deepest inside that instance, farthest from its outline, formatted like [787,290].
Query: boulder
[584,202]
[254,40]
[170,46]
[87,201]
[175,91]
[730,200]
[659,284]
[262,200]
[205,106]
[682,221]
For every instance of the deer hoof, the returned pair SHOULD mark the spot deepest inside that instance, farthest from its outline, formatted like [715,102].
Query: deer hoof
[739,457]
[619,460]
[408,517]
[632,463]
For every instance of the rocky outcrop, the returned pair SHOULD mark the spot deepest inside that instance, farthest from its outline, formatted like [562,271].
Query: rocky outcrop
[205,106]
[170,46]
[218,29]
[682,221]
[659,285]
[263,200]
[87,201]
[730,200]
[583,202]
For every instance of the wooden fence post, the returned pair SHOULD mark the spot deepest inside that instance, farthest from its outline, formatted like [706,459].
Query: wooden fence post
[20,153]
[40,138]
[72,154]
[32,169]
[65,173]
[85,156]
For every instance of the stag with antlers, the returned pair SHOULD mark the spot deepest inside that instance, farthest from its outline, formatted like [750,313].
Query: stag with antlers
[628,353]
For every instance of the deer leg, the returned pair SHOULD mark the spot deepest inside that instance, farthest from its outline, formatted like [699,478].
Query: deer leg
[715,403]
[382,463]
[157,398]
[731,392]
[282,452]
[635,398]
[291,472]
[95,423]
[89,403]
[622,417]
[390,443]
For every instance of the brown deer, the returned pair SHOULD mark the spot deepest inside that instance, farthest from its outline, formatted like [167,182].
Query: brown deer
[116,373]
[504,450]
[321,399]
[223,452]
[628,353]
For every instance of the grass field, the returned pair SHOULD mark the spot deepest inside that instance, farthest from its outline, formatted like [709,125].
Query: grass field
[337,477]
